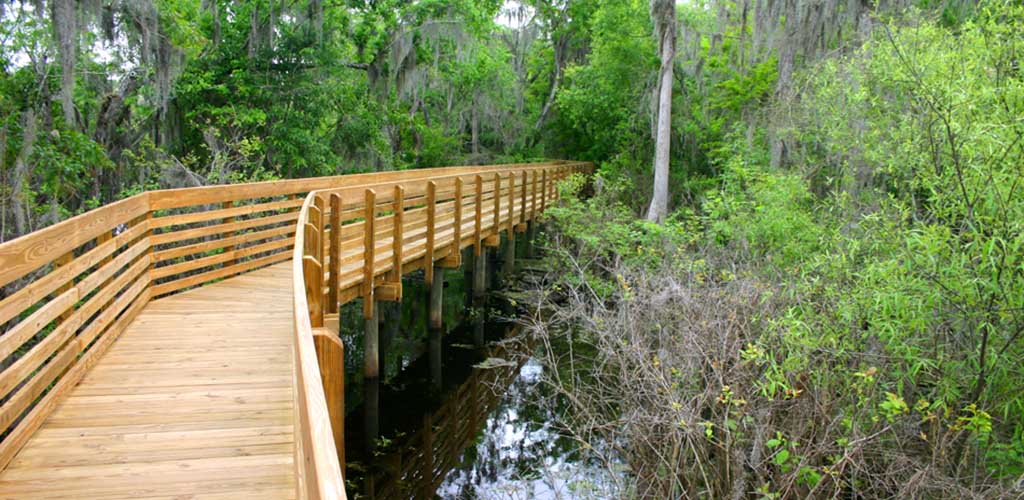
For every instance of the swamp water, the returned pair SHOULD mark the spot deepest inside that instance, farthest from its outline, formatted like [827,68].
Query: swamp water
[456,415]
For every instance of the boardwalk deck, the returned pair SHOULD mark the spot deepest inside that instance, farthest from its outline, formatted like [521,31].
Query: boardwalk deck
[190,402]
[172,344]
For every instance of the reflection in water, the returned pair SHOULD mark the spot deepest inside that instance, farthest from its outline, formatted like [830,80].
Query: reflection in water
[520,456]
[456,414]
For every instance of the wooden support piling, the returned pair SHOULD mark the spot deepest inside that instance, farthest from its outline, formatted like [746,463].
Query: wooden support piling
[371,344]
[436,298]
[480,274]
[509,255]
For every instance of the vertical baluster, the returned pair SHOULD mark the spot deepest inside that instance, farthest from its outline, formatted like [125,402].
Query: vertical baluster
[478,245]
[229,249]
[62,261]
[321,219]
[522,211]
[334,276]
[457,243]
[428,262]
[369,242]
[533,195]
[511,202]
[313,275]
[544,189]
[497,202]
[398,235]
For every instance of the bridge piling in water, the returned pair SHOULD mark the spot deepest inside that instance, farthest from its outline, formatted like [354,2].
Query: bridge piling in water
[480,274]
[371,345]
[436,298]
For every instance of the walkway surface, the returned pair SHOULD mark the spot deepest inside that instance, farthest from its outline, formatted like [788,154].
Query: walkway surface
[194,400]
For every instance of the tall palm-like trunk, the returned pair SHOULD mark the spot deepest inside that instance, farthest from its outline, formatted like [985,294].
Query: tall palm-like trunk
[663,12]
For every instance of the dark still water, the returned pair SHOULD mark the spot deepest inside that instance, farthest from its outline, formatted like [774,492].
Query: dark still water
[458,414]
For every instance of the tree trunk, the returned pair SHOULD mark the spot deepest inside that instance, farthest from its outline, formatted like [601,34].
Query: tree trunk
[66,30]
[22,173]
[474,126]
[664,14]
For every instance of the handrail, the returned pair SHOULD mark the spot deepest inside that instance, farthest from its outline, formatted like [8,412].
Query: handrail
[357,241]
[69,290]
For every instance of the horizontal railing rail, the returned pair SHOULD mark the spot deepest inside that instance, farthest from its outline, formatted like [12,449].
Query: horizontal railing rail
[69,290]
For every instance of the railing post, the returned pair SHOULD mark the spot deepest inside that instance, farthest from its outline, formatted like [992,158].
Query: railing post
[522,211]
[511,203]
[544,190]
[478,245]
[497,202]
[313,276]
[62,261]
[392,290]
[371,339]
[428,263]
[230,234]
[334,276]
[454,257]
[369,243]
[321,216]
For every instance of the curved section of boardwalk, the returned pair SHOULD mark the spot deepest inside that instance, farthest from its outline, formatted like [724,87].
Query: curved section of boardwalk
[194,400]
[175,344]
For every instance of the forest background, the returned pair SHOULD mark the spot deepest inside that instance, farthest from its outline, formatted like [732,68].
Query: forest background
[833,304]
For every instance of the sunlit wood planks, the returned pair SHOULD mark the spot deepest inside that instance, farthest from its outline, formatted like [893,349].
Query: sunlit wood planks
[195,397]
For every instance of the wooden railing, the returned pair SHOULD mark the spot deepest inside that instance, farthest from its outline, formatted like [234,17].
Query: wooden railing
[357,241]
[72,288]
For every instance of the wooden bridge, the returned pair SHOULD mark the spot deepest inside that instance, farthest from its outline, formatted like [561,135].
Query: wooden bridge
[179,343]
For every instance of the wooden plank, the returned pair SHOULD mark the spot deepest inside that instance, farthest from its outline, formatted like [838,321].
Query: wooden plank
[206,246]
[228,210]
[228,258]
[218,229]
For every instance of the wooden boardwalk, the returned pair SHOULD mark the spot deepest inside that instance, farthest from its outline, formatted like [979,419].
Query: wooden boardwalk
[177,344]
[193,401]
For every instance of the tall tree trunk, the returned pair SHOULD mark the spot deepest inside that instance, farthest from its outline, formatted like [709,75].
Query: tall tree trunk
[783,84]
[664,14]
[65,28]
[22,173]
[474,126]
